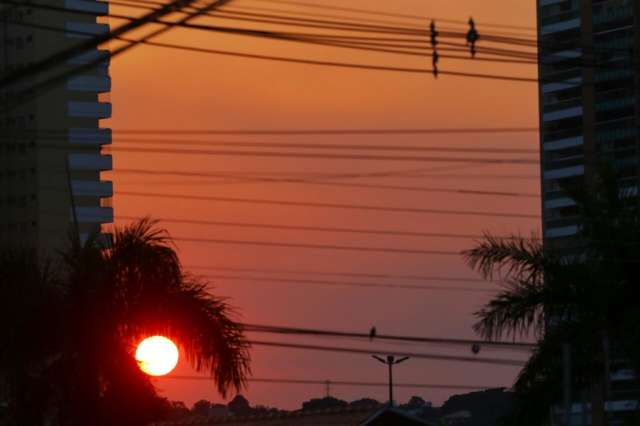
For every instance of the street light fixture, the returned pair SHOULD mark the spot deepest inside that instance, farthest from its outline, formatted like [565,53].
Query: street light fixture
[390,361]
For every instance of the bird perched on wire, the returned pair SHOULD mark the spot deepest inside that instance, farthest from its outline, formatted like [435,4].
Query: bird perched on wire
[372,333]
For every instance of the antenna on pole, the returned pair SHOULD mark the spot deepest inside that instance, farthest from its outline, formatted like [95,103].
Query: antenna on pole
[328,388]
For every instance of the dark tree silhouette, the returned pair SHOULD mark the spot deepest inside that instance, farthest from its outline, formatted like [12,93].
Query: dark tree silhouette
[587,295]
[175,410]
[323,403]
[239,406]
[73,333]
[30,328]
[201,408]
[416,402]
[364,403]
[486,407]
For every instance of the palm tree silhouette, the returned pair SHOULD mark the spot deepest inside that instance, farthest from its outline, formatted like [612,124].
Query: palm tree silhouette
[107,300]
[581,294]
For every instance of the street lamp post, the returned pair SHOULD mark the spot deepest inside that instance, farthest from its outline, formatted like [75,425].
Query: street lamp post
[390,361]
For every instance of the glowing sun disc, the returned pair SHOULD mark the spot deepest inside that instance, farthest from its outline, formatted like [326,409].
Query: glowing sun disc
[157,355]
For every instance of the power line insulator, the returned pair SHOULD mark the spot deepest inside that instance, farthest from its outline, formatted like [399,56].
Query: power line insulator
[434,43]
[472,37]
[475,348]
[434,34]
[434,60]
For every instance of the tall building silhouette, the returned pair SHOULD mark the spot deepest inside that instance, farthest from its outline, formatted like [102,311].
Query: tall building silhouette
[589,115]
[588,99]
[51,141]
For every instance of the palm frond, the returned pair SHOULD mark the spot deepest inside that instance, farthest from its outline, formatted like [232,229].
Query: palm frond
[152,295]
[143,250]
[513,312]
[205,328]
[514,257]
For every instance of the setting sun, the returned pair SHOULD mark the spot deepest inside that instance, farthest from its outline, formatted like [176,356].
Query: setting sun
[157,355]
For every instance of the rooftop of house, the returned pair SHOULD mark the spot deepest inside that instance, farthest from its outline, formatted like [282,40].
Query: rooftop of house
[334,416]
[350,416]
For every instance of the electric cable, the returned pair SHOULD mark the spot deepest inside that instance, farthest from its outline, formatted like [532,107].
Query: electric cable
[416,355]
[331,283]
[382,337]
[343,206]
[389,232]
[345,383]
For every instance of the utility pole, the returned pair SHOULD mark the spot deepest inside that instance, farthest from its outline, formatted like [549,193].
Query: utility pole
[390,361]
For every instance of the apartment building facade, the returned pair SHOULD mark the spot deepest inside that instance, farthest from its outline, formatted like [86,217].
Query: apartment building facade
[52,143]
[589,115]
[588,99]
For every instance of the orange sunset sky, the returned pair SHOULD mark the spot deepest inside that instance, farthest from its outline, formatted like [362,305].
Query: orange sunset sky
[157,88]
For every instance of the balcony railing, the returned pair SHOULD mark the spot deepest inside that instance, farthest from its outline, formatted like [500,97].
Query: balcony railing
[89,109]
[97,7]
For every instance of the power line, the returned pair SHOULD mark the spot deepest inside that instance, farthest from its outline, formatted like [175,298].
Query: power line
[312,181]
[368,249]
[347,20]
[389,14]
[324,146]
[313,228]
[295,145]
[363,207]
[294,14]
[301,132]
[417,355]
[315,156]
[349,283]
[294,37]
[53,133]
[301,21]
[296,21]
[496,38]
[335,64]
[329,180]
[321,181]
[346,274]
[413,339]
[134,23]
[311,38]
[320,39]
[478,176]
[331,132]
[413,174]
[331,39]
[324,39]
[320,246]
[287,59]
[345,383]
[424,173]
[369,12]
[308,22]
[327,40]
[289,13]
[84,46]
